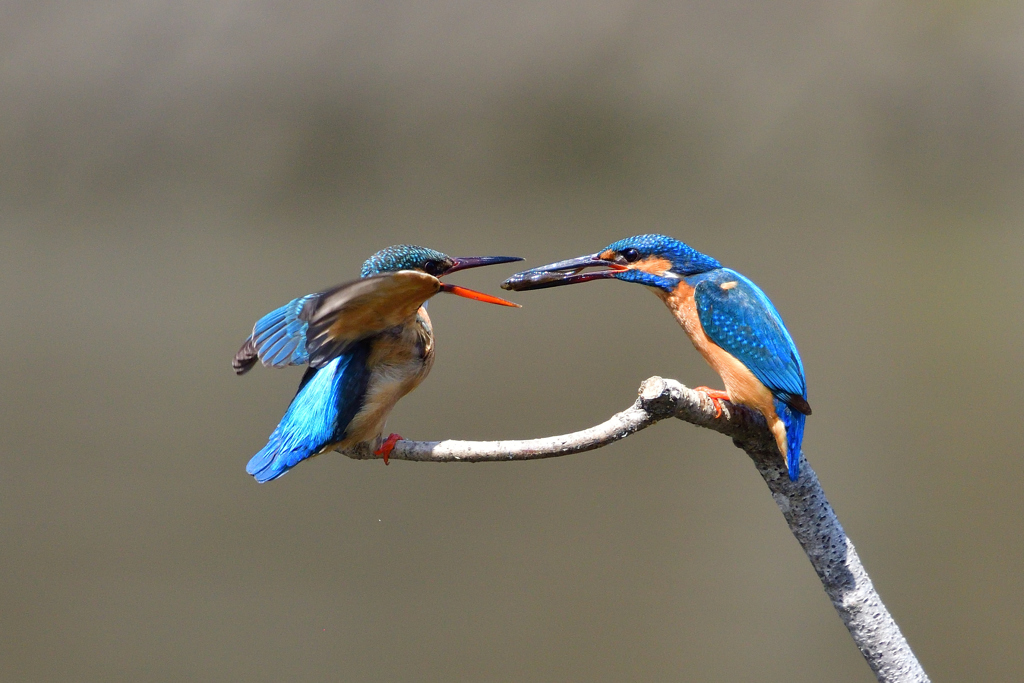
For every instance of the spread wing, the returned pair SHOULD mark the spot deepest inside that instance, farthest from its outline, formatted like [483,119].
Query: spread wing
[741,319]
[317,328]
[278,338]
[363,308]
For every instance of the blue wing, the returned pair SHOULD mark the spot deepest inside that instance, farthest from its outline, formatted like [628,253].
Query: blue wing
[278,338]
[318,328]
[327,400]
[739,317]
[742,320]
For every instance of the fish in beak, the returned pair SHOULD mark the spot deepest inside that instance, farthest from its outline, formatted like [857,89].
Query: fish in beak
[567,272]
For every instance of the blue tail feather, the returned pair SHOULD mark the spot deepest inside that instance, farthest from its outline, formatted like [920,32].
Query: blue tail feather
[328,399]
[794,422]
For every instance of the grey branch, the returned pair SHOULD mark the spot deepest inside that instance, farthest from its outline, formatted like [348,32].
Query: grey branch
[803,503]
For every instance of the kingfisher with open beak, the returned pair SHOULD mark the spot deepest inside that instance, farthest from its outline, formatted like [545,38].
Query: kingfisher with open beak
[368,343]
[730,321]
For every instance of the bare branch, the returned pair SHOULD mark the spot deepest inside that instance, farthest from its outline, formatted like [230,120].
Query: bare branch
[803,503]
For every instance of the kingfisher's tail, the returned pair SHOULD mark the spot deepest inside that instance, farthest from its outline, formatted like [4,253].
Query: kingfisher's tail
[794,422]
[278,456]
[328,398]
[304,428]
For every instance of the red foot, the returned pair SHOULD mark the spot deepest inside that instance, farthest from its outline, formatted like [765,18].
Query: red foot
[389,445]
[716,396]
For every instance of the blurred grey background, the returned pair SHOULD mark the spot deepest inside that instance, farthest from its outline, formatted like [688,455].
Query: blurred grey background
[169,172]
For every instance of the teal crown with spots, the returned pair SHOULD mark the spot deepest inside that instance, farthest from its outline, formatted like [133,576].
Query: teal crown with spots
[405,257]
[685,259]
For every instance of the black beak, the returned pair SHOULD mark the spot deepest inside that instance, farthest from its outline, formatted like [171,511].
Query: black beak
[563,273]
[464,262]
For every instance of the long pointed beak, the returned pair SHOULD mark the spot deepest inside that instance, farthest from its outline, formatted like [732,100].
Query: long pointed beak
[475,295]
[567,272]
[464,262]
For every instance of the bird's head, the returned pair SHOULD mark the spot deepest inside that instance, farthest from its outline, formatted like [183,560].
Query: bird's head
[435,264]
[652,260]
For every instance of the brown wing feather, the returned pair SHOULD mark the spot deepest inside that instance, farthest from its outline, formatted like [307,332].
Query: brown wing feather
[245,358]
[363,308]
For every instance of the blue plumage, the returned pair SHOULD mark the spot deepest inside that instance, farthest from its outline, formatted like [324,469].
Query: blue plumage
[743,321]
[729,319]
[737,316]
[794,421]
[403,257]
[367,343]
[684,259]
[279,337]
[327,400]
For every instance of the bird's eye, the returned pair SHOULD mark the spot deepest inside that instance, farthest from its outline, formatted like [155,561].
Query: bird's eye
[432,267]
[630,254]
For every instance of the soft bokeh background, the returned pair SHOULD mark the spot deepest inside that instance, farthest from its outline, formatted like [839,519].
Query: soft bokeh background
[171,171]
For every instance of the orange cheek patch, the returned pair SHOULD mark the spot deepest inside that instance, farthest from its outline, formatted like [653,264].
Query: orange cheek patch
[653,265]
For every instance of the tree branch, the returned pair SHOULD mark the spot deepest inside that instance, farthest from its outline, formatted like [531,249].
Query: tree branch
[802,502]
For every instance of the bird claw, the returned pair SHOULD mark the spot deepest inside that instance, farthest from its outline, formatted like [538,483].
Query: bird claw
[387,446]
[716,396]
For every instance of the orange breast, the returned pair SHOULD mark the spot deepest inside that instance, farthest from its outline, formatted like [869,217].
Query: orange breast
[740,383]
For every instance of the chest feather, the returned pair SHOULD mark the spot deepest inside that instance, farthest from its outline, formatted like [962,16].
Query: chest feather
[741,384]
[400,359]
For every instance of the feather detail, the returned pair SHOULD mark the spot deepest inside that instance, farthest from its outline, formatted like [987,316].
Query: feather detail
[279,338]
[365,307]
[750,350]
[245,358]
[794,422]
[742,320]
[318,416]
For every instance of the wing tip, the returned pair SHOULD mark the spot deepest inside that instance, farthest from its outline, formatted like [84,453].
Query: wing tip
[245,358]
[799,404]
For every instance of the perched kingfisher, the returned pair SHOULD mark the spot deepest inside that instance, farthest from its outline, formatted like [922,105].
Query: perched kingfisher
[730,321]
[368,343]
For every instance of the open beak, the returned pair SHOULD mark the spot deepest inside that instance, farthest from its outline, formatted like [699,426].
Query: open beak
[465,262]
[563,273]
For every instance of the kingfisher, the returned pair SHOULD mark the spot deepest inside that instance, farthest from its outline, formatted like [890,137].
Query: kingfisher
[730,321]
[367,343]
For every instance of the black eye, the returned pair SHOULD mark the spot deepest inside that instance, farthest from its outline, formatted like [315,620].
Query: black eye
[434,268]
[630,254]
